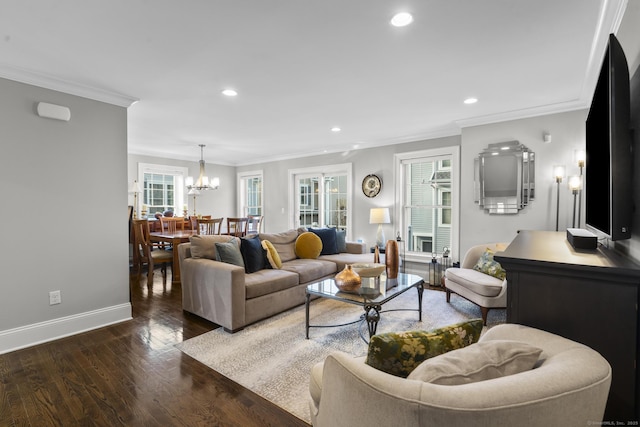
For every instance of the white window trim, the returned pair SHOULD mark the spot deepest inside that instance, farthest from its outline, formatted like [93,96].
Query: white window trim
[440,203]
[241,176]
[345,168]
[180,172]
[399,158]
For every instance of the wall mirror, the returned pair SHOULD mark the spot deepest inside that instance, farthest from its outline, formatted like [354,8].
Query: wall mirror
[504,176]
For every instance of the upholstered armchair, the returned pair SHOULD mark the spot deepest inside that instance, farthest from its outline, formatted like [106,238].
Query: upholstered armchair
[568,385]
[484,285]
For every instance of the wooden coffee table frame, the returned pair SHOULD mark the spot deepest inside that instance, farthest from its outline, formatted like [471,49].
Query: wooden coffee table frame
[369,297]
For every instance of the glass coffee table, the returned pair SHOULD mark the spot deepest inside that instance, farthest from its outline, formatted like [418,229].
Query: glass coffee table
[374,293]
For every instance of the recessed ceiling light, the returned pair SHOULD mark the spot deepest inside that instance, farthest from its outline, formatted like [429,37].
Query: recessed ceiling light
[229,92]
[335,129]
[401,19]
[471,100]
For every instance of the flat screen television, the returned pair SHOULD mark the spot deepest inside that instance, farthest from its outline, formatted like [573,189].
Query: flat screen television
[608,167]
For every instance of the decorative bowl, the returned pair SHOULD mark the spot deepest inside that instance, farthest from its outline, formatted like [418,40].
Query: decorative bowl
[368,269]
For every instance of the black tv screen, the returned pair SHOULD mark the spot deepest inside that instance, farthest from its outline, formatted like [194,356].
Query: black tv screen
[608,167]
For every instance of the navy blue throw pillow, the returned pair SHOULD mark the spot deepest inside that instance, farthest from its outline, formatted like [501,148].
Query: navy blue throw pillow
[329,240]
[252,254]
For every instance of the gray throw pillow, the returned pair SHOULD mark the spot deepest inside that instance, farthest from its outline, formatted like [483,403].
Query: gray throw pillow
[341,240]
[481,361]
[229,252]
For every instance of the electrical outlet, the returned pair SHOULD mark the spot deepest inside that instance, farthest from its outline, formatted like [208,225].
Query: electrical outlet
[55,297]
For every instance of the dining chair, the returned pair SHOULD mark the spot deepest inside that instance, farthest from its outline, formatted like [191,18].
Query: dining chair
[209,225]
[237,226]
[149,254]
[171,224]
[254,224]
[193,222]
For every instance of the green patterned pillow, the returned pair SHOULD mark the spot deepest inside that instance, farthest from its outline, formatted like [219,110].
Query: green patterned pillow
[399,353]
[487,265]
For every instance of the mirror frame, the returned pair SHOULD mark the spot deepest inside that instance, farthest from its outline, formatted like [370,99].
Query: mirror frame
[504,178]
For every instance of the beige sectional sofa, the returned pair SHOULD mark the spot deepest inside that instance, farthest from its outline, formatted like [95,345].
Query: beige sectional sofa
[232,298]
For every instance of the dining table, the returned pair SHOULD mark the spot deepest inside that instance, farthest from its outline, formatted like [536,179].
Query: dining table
[174,239]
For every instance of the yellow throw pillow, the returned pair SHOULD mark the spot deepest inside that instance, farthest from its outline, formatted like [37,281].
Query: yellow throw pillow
[308,245]
[272,254]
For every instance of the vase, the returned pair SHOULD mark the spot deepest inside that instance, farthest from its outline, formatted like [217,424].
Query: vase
[391,259]
[348,280]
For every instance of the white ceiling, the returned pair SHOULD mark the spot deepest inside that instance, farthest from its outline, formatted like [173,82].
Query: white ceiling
[302,66]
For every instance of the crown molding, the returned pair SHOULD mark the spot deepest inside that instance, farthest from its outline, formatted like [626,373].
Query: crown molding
[34,78]
[525,113]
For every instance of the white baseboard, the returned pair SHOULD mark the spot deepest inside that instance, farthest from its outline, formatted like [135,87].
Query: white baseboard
[38,333]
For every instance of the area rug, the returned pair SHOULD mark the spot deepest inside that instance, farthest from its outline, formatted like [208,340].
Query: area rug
[273,359]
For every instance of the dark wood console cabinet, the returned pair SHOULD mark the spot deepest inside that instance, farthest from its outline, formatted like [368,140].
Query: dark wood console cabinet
[589,296]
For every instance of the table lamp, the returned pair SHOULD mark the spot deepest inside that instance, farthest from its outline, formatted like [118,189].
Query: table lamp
[379,216]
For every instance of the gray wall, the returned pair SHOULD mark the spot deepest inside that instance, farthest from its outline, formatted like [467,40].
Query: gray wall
[476,226]
[379,161]
[567,132]
[64,192]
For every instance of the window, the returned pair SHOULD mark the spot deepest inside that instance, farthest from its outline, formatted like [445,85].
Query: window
[323,197]
[428,201]
[159,192]
[250,191]
[162,187]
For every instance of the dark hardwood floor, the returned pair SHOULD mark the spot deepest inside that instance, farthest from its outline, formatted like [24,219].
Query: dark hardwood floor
[129,374]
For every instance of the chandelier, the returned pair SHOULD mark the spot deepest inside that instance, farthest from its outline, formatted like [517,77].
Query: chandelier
[203,181]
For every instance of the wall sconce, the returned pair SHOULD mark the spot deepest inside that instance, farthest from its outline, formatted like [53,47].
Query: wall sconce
[558,174]
[575,185]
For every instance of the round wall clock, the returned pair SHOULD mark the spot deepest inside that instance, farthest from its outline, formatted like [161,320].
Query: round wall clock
[371,185]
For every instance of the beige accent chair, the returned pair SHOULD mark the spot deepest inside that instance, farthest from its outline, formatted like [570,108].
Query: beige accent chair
[486,291]
[568,386]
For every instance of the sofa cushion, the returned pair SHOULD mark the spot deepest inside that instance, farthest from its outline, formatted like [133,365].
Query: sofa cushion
[266,282]
[205,246]
[229,252]
[310,269]
[284,243]
[272,254]
[399,353]
[479,283]
[329,240]
[253,255]
[308,245]
[478,362]
[487,265]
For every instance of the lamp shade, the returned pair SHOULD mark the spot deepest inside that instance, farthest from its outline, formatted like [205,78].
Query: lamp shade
[581,156]
[558,172]
[379,216]
[135,187]
[575,183]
